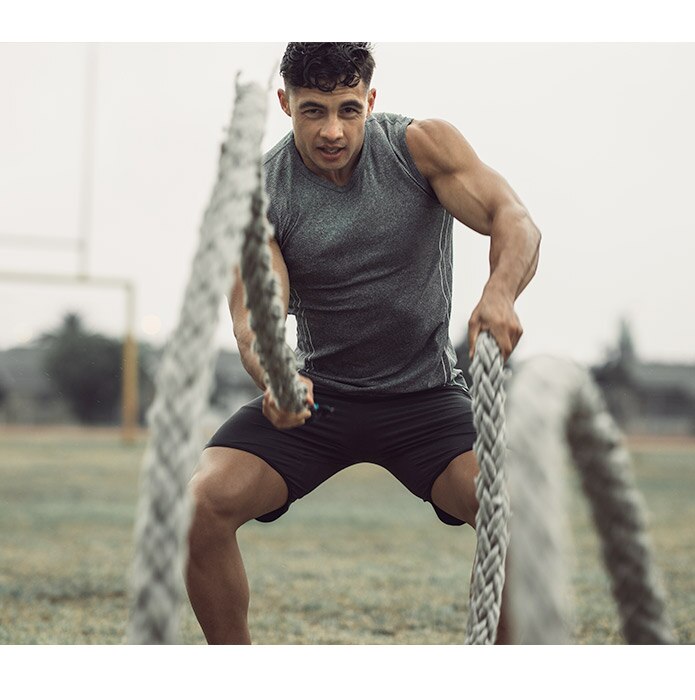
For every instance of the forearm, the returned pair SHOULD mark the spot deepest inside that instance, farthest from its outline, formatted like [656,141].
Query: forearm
[281,418]
[250,360]
[514,252]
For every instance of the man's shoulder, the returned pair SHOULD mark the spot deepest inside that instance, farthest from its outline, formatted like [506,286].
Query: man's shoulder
[386,132]
[437,146]
[278,152]
[279,166]
[390,123]
[396,130]
[384,118]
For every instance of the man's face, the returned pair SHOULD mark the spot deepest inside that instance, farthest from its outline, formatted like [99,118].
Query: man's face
[329,127]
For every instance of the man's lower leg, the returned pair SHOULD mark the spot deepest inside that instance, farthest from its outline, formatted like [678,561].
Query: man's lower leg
[219,592]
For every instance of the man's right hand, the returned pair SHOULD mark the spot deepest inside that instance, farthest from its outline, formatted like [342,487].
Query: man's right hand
[285,420]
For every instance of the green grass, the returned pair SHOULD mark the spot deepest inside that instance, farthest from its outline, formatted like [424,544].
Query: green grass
[359,561]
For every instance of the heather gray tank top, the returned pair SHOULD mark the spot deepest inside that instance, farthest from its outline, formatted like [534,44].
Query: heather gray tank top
[370,267]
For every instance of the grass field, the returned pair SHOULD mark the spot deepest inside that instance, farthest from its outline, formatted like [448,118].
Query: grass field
[359,561]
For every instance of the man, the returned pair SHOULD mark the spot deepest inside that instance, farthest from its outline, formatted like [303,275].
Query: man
[362,206]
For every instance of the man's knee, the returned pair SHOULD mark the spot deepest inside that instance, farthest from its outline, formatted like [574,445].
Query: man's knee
[228,489]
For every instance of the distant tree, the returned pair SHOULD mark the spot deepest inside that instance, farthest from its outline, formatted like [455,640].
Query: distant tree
[626,344]
[620,358]
[617,376]
[86,369]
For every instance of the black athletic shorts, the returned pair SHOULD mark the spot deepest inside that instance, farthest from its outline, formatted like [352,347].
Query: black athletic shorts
[414,436]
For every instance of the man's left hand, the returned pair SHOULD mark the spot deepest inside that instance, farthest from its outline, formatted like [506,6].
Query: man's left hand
[495,313]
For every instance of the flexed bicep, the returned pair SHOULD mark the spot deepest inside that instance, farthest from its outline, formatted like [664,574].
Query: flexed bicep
[471,191]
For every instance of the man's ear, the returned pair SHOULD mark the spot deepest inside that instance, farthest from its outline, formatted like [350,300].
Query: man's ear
[371,97]
[284,102]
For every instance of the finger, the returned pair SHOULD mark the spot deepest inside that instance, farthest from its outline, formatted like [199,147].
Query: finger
[504,342]
[472,337]
[519,333]
[309,398]
[309,390]
[305,415]
[511,339]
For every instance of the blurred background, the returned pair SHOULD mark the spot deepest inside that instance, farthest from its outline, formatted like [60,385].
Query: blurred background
[109,154]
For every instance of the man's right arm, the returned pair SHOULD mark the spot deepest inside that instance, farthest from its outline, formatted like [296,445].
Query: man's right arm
[245,338]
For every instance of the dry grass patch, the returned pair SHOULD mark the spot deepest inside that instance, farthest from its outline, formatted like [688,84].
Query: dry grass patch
[359,561]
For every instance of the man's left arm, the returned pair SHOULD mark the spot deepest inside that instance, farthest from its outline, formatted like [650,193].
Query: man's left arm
[481,199]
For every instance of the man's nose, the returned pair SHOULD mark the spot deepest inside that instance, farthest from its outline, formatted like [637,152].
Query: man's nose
[332,128]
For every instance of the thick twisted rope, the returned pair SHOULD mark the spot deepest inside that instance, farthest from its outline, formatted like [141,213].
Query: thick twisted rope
[488,395]
[536,419]
[267,314]
[554,404]
[183,383]
[619,514]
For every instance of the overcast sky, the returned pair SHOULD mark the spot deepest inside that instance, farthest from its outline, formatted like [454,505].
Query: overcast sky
[597,139]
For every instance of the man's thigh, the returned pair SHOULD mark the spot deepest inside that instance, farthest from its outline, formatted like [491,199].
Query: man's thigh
[454,489]
[303,457]
[237,485]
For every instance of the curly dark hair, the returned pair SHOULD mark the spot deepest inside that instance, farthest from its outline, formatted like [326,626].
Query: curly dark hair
[325,65]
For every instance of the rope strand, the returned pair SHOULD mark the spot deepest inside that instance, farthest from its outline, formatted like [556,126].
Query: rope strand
[488,396]
[267,315]
[183,383]
[555,407]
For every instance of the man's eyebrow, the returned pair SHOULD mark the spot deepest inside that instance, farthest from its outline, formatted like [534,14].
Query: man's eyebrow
[309,104]
[352,103]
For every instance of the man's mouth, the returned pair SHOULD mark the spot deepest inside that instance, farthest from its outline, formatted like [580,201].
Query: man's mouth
[330,150]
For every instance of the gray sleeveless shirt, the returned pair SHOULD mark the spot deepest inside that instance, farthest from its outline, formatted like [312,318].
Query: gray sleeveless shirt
[370,267]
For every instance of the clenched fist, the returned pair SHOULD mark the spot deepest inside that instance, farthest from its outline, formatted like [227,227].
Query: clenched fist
[285,420]
[495,313]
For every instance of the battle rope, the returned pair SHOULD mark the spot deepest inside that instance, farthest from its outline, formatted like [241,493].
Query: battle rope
[554,404]
[488,395]
[183,383]
[266,312]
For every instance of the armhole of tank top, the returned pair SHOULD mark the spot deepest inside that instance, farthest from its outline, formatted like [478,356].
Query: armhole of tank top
[277,228]
[412,169]
[280,229]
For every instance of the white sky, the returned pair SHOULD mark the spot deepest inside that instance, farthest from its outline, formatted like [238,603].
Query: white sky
[597,139]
